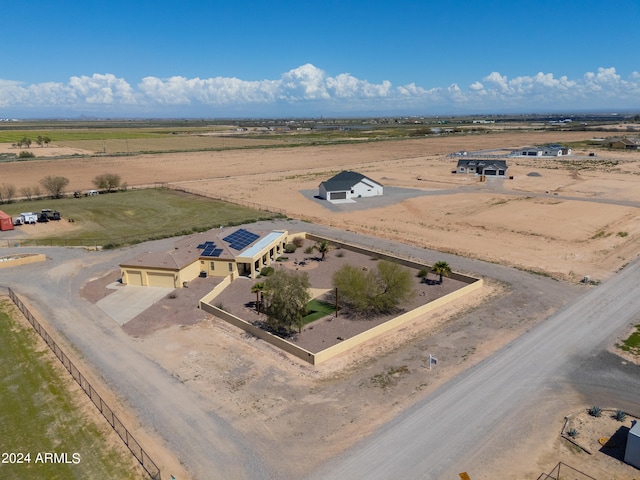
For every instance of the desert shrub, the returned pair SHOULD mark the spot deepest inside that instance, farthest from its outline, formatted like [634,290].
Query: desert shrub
[298,242]
[282,259]
[573,433]
[620,416]
[266,271]
[595,411]
[423,272]
[308,250]
[25,154]
[289,248]
[340,254]
[623,234]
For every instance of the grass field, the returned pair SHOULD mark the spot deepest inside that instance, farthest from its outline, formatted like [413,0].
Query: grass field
[128,217]
[40,415]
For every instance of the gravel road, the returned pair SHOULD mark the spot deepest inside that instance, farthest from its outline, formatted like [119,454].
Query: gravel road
[434,434]
[447,432]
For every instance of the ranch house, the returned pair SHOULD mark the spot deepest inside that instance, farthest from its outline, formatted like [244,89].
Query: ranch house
[238,252]
[348,185]
[544,151]
[493,168]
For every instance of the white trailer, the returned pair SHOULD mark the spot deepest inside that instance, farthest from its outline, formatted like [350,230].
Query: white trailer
[29,217]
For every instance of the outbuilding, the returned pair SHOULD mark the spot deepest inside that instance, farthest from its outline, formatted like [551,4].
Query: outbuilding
[632,451]
[348,185]
[6,222]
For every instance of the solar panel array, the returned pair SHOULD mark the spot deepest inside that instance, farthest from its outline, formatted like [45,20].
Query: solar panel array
[209,249]
[241,239]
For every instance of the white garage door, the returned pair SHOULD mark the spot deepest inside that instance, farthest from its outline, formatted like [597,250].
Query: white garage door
[134,278]
[160,279]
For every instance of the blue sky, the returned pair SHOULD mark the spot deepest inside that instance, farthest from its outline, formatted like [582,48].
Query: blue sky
[142,58]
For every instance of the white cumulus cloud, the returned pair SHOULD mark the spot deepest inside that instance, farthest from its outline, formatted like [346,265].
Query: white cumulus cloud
[308,86]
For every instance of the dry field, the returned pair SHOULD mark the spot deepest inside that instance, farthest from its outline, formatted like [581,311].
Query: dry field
[568,218]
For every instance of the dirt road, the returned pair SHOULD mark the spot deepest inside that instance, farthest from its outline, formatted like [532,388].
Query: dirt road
[472,417]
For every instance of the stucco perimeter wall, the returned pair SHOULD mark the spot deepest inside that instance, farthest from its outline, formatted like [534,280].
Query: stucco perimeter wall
[319,357]
[216,291]
[385,256]
[258,332]
[23,259]
[394,323]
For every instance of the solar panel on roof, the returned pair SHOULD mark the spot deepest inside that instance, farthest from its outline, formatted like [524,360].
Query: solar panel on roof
[216,252]
[240,239]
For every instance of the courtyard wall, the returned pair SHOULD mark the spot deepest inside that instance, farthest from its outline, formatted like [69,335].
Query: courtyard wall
[316,358]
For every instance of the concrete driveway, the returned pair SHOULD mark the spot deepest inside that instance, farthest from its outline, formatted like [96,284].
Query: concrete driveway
[128,301]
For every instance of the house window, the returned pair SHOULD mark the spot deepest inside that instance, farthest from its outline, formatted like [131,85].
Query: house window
[462,170]
[213,265]
[230,267]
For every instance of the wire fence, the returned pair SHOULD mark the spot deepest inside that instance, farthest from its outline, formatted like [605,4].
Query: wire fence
[128,439]
[562,471]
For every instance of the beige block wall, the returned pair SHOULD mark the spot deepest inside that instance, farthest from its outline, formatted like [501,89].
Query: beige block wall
[22,259]
[394,323]
[324,355]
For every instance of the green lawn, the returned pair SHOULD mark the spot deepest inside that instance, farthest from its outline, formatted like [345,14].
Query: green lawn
[136,215]
[317,309]
[40,415]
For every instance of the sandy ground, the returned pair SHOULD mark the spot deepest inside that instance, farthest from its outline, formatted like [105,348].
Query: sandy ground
[570,217]
[567,219]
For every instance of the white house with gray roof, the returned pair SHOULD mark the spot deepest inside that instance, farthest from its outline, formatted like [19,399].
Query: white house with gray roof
[348,185]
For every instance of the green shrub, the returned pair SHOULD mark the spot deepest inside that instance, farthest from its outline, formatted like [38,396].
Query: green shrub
[289,248]
[620,416]
[266,271]
[573,433]
[623,234]
[25,154]
[308,250]
[423,272]
[595,411]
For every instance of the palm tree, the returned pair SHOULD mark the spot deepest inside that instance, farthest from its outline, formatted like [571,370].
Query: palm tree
[257,288]
[322,247]
[441,268]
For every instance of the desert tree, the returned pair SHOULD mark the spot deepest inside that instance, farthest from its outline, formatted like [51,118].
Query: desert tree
[107,181]
[7,192]
[46,140]
[55,185]
[323,247]
[285,296]
[442,269]
[27,192]
[380,290]
[25,142]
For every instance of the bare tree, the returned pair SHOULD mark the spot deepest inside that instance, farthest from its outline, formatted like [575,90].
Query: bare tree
[27,192]
[54,185]
[107,181]
[7,193]
[37,192]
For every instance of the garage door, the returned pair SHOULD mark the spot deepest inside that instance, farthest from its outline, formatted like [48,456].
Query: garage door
[160,280]
[338,195]
[134,278]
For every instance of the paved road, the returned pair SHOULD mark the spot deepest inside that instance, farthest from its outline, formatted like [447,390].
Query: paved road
[442,434]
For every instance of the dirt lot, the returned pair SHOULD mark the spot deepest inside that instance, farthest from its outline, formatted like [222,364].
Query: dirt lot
[565,219]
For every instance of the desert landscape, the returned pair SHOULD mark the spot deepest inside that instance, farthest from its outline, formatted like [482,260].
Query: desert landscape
[568,217]
[562,218]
